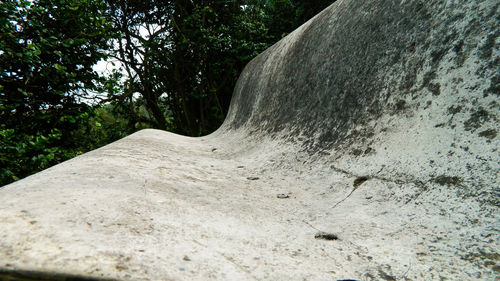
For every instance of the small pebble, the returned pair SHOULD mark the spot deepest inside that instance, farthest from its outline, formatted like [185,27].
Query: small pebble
[283,196]
[252,178]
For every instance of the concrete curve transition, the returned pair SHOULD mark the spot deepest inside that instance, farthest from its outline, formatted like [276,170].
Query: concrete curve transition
[363,146]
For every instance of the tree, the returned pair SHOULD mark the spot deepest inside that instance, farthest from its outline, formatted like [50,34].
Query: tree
[284,16]
[47,51]
[183,58]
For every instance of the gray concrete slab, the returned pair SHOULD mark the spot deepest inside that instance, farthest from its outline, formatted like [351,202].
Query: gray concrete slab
[362,146]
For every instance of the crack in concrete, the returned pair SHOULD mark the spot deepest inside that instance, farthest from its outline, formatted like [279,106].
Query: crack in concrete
[240,267]
[229,259]
[350,193]
[408,181]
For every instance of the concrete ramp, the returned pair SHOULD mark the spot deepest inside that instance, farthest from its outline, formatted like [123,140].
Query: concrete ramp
[362,146]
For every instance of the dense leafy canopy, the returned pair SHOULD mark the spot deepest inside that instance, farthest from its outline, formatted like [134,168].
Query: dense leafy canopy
[178,63]
[48,48]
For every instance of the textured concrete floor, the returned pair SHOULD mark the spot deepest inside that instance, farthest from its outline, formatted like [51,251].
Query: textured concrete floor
[362,146]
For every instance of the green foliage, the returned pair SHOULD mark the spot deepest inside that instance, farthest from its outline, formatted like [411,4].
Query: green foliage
[101,127]
[47,51]
[182,59]
[23,154]
[284,16]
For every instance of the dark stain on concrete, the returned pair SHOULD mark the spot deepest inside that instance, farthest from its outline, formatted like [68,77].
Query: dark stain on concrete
[489,134]
[447,180]
[477,119]
[26,275]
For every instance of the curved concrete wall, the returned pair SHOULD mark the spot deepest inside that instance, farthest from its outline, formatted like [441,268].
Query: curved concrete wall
[362,146]
[410,87]
[359,60]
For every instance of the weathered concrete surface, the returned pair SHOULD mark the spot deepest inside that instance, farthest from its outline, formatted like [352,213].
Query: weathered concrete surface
[376,121]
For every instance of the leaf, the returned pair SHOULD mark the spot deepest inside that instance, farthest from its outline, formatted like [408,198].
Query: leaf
[60,67]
